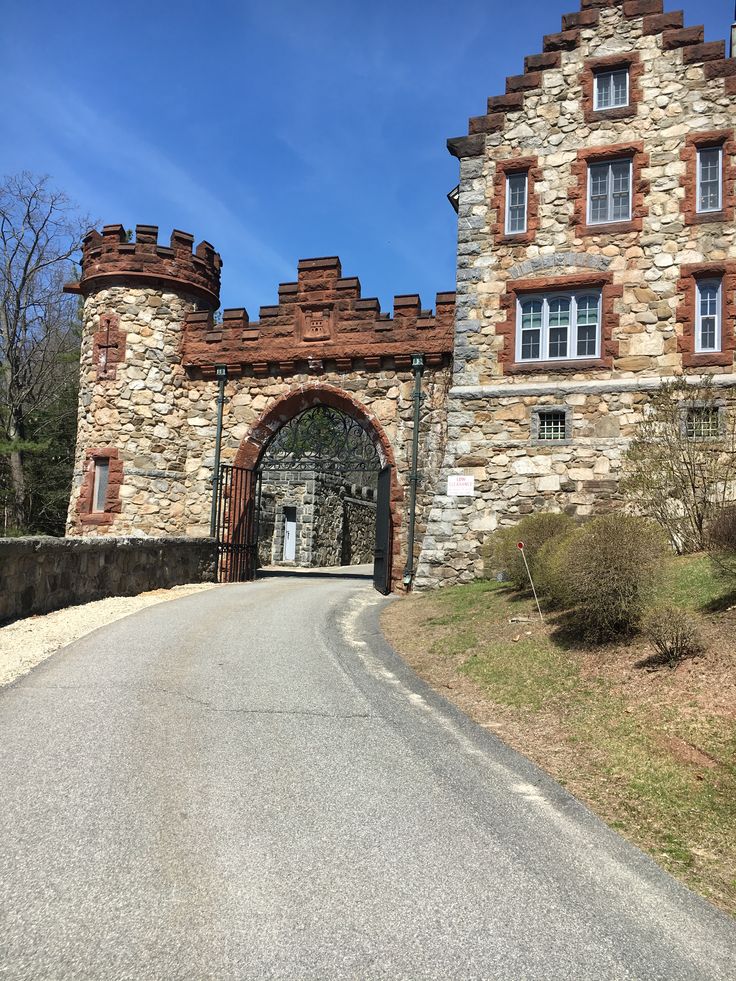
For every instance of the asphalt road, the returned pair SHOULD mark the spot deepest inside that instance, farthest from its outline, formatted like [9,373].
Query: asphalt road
[247,783]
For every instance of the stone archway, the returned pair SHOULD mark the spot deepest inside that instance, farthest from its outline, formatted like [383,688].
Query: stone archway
[304,397]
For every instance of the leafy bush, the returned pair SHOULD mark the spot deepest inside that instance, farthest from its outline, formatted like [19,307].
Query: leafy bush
[674,633]
[722,541]
[607,572]
[535,531]
[550,576]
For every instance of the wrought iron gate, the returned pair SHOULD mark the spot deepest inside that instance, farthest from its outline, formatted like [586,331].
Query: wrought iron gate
[238,492]
[382,552]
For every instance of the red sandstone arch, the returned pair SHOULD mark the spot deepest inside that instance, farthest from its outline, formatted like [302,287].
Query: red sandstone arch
[305,397]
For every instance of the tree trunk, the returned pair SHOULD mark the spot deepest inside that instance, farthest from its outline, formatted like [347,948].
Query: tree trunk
[18,499]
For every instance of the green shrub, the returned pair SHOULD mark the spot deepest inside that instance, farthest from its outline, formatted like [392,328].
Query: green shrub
[550,576]
[722,541]
[535,531]
[674,633]
[608,572]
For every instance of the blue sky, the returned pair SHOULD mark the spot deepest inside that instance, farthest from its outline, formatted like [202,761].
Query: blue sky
[276,130]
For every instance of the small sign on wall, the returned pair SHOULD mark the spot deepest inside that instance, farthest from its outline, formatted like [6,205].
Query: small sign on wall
[459,485]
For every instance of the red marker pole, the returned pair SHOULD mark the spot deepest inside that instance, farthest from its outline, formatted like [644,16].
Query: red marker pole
[520,546]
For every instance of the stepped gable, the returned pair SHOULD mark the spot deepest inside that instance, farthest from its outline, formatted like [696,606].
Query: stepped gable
[321,321]
[670,25]
[109,258]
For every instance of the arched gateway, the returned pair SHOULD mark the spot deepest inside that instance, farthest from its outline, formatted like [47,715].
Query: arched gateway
[179,408]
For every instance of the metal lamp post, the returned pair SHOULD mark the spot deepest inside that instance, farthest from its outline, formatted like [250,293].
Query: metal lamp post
[417,366]
[221,375]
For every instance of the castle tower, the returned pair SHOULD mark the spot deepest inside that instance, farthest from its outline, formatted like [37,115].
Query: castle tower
[133,474]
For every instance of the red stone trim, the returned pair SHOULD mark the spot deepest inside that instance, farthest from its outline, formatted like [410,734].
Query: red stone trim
[113,504]
[548,284]
[579,191]
[687,314]
[504,168]
[108,347]
[689,154]
[109,257]
[632,62]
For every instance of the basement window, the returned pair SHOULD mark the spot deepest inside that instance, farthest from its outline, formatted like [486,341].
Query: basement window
[551,425]
[703,422]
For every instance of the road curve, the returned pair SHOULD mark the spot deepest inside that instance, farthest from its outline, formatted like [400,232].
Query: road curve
[248,783]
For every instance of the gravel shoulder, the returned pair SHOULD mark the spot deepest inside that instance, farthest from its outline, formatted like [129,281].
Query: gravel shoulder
[26,643]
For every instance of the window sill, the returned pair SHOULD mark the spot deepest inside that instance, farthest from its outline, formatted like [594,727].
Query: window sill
[705,217]
[521,238]
[710,359]
[604,115]
[549,367]
[97,518]
[611,228]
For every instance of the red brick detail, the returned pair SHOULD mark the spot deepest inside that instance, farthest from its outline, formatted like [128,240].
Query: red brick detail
[579,191]
[632,62]
[306,397]
[108,347]
[710,51]
[113,504]
[507,329]
[110,257]
[695,141]
[581,18]
[643,8]
[682,37]
[562,41]
[320,318]
[658,23]
[517,165]
[687,314]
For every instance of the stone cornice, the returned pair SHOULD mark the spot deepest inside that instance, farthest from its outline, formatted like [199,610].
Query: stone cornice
[580,386]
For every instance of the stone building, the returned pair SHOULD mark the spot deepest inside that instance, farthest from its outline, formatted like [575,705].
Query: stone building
[596,257]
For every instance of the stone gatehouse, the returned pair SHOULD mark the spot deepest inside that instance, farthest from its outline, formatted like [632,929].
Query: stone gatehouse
[596,256]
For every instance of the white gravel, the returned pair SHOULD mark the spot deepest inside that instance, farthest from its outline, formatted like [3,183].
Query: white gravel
[25,643]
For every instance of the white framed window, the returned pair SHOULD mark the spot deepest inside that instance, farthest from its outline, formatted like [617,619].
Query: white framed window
[559,326]
[708,316]
[99,492]
[516,195]
[611,89]
[710,179]
[609,192]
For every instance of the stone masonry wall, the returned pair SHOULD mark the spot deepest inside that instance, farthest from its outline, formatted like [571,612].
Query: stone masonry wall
[42,574]
[161,418]
[680,87]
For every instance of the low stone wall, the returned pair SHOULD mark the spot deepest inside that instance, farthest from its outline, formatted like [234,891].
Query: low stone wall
[42,574]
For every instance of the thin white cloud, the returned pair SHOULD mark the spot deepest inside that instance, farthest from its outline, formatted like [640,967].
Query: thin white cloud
[116,152]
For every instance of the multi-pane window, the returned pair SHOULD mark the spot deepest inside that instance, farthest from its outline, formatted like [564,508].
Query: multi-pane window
[516,191]
[708,316]
[703,422]
[558,326]
[609,192]
[99,493]
[710,191]
[612,89]
[551,425]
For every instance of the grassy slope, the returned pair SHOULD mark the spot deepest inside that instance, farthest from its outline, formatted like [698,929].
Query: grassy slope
[653,752]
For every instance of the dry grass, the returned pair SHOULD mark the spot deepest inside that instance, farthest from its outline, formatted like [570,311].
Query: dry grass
[651,749]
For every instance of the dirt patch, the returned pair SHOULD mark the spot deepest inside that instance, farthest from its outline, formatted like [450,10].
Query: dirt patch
[25,643]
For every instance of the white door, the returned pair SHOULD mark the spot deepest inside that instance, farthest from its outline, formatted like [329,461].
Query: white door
[289,534]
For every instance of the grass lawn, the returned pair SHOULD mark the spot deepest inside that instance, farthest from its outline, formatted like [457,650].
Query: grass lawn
[652,751]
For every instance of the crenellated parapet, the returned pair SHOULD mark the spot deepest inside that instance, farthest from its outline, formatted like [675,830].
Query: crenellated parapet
[655,21]
[320,320]
[110,257]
